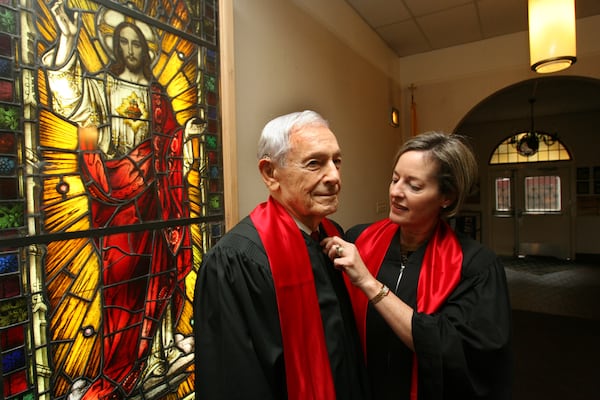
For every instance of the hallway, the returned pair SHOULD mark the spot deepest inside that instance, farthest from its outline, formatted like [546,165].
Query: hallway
[556,320]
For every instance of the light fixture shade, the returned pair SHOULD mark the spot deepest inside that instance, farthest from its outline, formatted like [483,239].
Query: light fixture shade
[394,117]
[551,35]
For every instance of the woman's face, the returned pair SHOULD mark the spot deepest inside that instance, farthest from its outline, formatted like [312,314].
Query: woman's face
[415,198]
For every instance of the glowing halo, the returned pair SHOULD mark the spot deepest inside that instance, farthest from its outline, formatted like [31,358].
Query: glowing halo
[106,22]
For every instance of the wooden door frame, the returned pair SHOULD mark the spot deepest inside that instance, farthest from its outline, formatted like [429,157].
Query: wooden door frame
[228,113]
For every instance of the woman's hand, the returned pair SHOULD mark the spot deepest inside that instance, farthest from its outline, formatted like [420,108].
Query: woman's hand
[396,313]
[345,257]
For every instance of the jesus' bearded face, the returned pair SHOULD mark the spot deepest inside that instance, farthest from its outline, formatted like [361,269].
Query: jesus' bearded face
[131,48]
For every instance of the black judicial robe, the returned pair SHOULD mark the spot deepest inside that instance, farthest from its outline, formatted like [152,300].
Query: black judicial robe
[463,350]
[239,353]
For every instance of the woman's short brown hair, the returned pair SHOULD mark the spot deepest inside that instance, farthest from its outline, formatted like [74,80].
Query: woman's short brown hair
[456,162]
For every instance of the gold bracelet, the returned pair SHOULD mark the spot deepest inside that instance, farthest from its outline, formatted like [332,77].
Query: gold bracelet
[379,296]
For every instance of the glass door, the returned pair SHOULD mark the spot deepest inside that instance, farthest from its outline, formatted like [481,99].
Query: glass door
[531,211]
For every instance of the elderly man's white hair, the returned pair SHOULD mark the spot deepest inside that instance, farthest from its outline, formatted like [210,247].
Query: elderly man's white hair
[274,142]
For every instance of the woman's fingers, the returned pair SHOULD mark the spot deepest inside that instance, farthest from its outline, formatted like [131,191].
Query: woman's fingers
[334,247]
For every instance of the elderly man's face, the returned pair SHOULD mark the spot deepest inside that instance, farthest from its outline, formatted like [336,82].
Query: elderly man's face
[309,182]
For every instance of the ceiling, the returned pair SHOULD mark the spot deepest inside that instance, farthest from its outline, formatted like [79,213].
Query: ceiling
[411,27]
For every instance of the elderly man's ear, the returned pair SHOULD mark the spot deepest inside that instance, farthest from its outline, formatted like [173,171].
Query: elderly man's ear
[268,173]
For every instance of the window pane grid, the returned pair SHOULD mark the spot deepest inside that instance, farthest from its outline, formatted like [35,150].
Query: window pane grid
[542,194]
[503,195]
[507,152]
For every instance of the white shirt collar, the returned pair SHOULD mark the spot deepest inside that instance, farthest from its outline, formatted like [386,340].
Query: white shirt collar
[303,227]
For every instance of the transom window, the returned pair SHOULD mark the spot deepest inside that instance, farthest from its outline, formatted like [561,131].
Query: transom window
[530,147]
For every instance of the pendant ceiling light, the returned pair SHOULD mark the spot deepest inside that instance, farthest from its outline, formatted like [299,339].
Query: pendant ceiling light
[551,35]
[528,143]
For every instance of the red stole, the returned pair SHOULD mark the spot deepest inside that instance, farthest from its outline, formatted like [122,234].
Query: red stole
[308,372]
[439,276]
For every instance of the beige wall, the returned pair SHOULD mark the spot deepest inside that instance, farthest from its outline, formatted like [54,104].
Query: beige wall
[452,81]
[286,61]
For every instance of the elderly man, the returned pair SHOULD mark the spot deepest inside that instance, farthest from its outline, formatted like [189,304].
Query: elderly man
[272,316]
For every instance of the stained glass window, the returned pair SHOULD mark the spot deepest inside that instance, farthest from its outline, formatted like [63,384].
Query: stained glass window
[542,194]
[111,190]
[503,203]
[525,147]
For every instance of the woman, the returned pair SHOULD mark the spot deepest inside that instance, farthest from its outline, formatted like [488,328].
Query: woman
[432,306]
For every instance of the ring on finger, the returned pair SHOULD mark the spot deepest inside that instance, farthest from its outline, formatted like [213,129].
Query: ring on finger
[339,250]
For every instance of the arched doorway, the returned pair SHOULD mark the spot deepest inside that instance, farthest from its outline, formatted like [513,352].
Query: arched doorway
[567,107]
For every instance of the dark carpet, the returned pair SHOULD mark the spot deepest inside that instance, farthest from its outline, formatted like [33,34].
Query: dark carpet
[556,327]
[538,265]
[556,357]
